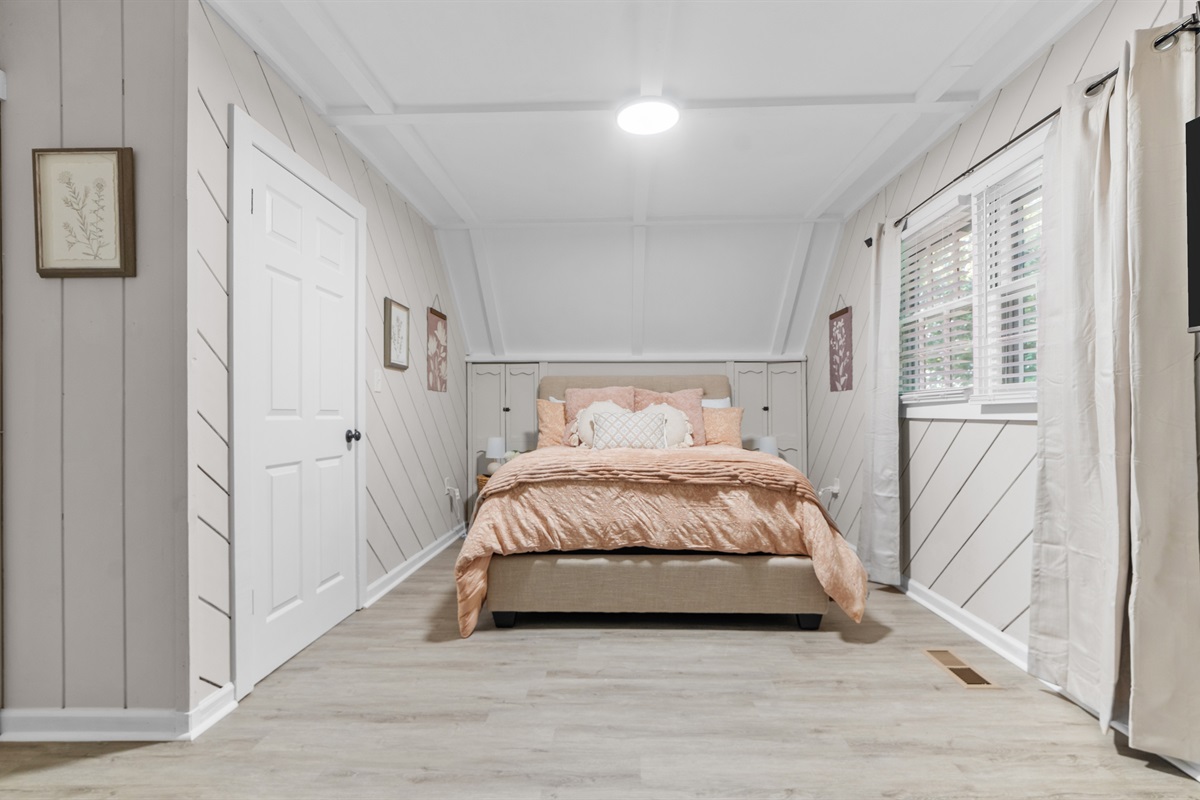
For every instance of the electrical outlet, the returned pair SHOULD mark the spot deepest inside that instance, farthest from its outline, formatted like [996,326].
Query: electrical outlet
[377,381]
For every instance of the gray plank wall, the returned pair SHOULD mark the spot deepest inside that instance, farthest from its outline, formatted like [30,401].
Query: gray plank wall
[415,438]
[967,487]
[94,533]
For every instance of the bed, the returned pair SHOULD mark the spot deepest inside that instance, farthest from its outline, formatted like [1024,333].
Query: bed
[712,529]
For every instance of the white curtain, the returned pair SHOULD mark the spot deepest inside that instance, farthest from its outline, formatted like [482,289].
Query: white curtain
[1117,524]
[879,529]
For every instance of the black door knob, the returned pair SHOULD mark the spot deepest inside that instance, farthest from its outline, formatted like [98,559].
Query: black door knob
[352,436]
[766,408]
[506,409]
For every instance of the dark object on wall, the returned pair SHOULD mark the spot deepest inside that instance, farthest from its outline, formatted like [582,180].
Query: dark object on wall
[395,334]
[841,350]
[1193,224]
[83,212]
[437,349]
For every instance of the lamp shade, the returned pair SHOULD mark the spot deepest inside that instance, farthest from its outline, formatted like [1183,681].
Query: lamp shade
[768,445]
[495,447]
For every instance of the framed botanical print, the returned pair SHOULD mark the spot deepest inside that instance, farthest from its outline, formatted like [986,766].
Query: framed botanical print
[437,350]
[83,212]
[395,334]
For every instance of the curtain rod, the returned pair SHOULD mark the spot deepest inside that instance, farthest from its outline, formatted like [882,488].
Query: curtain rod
[1190,24]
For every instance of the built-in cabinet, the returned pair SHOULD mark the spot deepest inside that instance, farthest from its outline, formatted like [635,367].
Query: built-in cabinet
[503,402]
[772,395]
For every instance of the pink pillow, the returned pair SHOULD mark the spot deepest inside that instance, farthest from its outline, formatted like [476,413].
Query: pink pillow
[579,399]
[687,401]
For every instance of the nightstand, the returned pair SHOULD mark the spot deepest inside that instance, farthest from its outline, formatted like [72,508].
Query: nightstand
[481,481]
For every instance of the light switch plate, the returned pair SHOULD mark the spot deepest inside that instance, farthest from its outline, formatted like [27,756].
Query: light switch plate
[377,382]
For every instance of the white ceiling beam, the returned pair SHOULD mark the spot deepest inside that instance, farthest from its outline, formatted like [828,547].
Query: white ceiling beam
[821,252]
[654,44]
[650,222]
[344,115]
[791,291]
[240,17]
[319,26]
[638,292]
[483,274]
[428,163]
[867,159]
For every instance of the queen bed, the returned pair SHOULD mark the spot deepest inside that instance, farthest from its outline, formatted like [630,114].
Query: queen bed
[704,529]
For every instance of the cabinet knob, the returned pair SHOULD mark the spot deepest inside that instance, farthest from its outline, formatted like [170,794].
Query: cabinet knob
[506,409]
[766,408]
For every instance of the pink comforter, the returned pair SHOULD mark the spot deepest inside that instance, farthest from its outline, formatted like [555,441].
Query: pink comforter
[715,498]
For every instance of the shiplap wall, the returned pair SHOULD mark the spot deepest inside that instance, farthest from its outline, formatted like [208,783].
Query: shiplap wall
[94,529]
[968,486]
[415,438]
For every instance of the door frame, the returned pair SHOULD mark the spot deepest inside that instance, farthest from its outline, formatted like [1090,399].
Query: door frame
[246,138]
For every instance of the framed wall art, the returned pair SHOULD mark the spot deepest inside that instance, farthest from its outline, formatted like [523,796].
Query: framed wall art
[841,350]
[395,334]
[84,213]
[438,350]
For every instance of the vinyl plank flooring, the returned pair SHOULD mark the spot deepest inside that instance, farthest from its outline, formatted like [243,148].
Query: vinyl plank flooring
[392,703]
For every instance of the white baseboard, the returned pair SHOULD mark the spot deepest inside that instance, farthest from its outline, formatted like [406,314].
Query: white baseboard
[114,724]
[394,578]
[968,623]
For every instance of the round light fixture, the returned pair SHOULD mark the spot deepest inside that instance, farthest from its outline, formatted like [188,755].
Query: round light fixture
[648,115]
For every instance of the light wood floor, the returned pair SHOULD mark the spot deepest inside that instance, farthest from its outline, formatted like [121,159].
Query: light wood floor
[392,704]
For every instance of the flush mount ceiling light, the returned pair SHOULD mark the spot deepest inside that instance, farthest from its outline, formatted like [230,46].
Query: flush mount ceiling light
[648,115]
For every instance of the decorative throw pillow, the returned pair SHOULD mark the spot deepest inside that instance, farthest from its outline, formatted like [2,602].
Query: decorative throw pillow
[679,430]
[646,431]
[723,426]
[687,401]
[579,399]
[579,433]
[716,402]
[552,423]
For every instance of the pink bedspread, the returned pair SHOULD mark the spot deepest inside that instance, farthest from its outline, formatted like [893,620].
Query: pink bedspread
[715,498]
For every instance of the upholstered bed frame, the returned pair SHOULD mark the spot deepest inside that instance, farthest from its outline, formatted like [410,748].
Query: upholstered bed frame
[652,581]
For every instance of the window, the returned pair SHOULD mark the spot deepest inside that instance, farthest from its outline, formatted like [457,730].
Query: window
[968,290]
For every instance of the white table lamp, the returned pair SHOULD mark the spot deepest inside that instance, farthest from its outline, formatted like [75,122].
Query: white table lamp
[768,445]
[495,451]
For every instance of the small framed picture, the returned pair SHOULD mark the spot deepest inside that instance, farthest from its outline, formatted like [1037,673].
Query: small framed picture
[83,212]
[395,334]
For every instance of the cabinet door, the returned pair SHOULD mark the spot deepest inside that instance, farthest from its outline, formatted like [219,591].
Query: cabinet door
[750,392]
[486,411]
[786,397]
[520,406]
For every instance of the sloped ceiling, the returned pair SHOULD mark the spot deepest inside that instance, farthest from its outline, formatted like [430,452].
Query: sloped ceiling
[567,238]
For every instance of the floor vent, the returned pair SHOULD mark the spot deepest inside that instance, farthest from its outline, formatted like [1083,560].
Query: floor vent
[964,673]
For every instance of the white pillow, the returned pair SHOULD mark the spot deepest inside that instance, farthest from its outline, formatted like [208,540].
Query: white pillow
[715,402]
[554,399]
[581,431]
[643,430]
[679,428]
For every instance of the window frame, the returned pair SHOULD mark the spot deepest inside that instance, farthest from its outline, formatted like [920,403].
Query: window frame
[968,403]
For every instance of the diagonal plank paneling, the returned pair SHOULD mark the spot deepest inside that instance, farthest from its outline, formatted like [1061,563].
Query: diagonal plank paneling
[416,439]
[968,552]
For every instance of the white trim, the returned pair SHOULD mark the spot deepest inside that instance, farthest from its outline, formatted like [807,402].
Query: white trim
[625,358]
[397,576]
[247,136]
[967,410]
[3,85]
[115,724]
[968,623]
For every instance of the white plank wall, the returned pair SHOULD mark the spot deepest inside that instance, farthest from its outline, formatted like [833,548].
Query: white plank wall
[415,438]
[93,534]
[968,487]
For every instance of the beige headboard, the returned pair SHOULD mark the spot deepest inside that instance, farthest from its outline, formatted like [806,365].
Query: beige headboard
[557,385]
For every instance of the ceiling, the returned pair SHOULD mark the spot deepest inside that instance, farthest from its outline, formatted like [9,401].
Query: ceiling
[565,237]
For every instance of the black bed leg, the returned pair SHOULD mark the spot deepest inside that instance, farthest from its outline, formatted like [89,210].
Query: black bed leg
[808,622]
[506,619]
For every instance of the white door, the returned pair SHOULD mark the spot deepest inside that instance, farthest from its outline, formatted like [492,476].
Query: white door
[295,372]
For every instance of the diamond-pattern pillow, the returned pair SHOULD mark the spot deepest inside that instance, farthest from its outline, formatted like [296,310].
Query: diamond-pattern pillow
[645,431]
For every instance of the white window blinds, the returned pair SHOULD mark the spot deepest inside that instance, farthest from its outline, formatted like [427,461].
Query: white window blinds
[1009,254]
[936,306]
